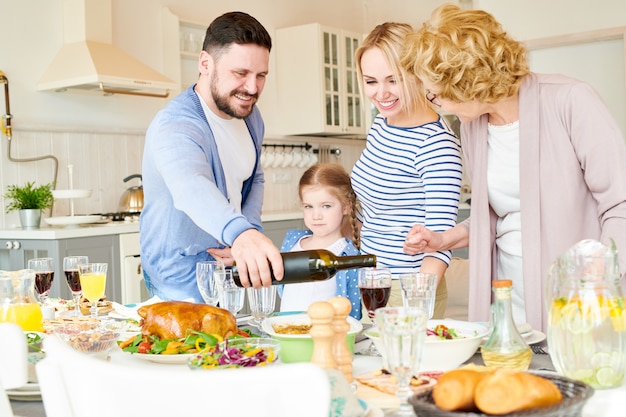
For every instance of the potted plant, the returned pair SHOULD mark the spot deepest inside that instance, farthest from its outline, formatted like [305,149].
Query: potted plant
[30,201]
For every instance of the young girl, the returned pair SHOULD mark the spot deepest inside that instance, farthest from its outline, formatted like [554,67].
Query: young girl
[329,206]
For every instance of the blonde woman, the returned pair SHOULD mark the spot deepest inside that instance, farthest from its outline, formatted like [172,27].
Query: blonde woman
[410,170]
[544,156]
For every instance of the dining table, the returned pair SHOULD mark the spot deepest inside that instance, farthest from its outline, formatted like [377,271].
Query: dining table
[603,403]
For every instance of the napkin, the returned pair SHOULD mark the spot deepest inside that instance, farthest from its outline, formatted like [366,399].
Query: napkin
[343,402]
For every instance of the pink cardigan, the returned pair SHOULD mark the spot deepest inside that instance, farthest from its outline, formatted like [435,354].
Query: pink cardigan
[572,186]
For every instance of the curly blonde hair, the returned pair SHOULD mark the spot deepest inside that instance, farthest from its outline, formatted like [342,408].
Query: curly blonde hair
[467,54]
[389,38]
[335,177]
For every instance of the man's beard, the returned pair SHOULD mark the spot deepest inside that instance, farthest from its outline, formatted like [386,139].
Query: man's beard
[222,103]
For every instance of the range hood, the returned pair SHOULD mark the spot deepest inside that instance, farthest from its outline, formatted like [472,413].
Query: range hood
[89,62]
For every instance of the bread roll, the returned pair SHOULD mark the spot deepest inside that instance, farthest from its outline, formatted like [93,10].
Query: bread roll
[503,391]
[454,390]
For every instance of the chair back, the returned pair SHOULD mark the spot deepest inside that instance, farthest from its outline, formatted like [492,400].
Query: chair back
[13,363]
[76,385]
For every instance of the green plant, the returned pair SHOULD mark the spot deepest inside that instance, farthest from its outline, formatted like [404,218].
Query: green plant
[29,197]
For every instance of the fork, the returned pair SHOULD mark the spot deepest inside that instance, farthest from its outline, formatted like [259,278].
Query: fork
[538,350]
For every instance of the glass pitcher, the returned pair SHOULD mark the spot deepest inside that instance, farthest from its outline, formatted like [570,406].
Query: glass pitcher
[587,318]
[17,300]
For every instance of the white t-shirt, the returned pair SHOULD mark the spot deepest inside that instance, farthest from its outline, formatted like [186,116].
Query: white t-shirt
[236,150]
[504,196]
[298,297]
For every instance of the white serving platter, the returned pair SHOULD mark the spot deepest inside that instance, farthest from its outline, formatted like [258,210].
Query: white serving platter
[72,220]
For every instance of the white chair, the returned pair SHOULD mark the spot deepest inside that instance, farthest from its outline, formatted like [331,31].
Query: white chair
[13,363]
[77,385]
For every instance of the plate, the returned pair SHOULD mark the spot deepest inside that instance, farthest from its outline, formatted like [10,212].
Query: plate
[180,359]
[29,392]
[72,220]
[533,337]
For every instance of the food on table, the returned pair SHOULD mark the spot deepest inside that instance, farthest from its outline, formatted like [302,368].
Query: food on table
[441,331]
[237,355]
[302,328]
[172,319]
[104,306]
[496,392]
[383,381]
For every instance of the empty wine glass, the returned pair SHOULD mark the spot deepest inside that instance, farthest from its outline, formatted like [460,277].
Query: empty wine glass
[230,295]
[419,290]
[70,268]
[206,279]
[261,301]
[375,288]
[44,275]
[402,332]
[93,280]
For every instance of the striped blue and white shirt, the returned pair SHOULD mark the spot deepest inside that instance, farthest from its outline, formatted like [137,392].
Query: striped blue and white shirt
[406,176]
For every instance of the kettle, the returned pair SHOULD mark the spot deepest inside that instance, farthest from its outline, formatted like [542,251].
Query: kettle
[132,199]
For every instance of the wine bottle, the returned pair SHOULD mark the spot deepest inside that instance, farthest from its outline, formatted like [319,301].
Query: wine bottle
[314,265]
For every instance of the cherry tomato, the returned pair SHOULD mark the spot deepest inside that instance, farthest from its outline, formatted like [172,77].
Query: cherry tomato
[144,347]
[243,333]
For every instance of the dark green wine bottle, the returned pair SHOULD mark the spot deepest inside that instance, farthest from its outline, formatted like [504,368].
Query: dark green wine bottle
[314,265]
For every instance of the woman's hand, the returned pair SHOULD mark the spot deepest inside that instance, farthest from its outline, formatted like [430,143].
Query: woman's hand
[420,239]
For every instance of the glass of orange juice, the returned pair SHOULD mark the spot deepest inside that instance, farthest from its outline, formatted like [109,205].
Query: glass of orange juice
[17,300]
[93,279]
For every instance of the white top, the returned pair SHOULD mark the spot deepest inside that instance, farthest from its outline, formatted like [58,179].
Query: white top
[298,297]
[504,197]
[236,150]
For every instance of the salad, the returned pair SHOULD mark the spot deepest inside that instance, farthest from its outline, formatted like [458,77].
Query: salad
[443,332]
[238,355]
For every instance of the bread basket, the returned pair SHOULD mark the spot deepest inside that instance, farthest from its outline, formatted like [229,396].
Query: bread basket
[575,395]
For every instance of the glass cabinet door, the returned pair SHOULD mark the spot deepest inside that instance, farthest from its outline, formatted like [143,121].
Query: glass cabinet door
[353,110]
[331,79]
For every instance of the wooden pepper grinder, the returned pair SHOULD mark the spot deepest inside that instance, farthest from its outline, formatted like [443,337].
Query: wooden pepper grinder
[321,314]
[343,357]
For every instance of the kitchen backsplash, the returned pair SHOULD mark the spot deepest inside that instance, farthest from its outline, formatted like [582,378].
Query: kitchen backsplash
[101,160]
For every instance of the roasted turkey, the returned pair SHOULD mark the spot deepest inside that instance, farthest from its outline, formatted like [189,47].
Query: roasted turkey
[171,319]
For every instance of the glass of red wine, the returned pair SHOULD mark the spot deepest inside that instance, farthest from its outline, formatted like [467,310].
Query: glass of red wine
[70,268]
[375,287]
[44,275]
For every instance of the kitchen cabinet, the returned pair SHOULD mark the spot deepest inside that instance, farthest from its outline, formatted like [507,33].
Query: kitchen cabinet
[276,230]
[15,253]
[318,89]
[191,36]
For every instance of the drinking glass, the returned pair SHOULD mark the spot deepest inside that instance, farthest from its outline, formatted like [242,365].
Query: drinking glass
[230,295]
[44,275]
[206,278]
[402,331]
[93,279]
[419,290]
[261,301]
[375,288]
[70,268]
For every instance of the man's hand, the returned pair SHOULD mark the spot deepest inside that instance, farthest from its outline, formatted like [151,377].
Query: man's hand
[254,253]
[420,239]
[223,255]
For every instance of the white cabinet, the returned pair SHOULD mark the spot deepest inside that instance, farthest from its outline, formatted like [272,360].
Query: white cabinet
[191,36]
[318,89]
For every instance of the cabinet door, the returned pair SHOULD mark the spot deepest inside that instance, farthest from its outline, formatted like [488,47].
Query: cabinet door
[353,110]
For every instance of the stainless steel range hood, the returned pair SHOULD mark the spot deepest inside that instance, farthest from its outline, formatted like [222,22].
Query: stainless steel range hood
[89,62]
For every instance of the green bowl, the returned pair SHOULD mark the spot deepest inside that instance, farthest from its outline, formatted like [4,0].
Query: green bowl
[299,347]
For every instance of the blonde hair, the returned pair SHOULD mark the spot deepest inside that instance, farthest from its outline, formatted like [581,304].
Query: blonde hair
[467,54]
[337,180]
[389,38]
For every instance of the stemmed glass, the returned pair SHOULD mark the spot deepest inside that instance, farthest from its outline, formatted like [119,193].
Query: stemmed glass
[93,279]
[375,288]
[402,332]
[70,268]
[261,301]
[206,278]
[44,275]
[231,296]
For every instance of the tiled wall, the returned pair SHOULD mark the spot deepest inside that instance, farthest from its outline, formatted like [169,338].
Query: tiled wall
[101,161]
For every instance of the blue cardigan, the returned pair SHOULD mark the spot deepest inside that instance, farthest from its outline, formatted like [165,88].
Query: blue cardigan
[347,280]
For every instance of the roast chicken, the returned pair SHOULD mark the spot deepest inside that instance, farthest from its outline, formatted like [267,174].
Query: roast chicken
[171,319]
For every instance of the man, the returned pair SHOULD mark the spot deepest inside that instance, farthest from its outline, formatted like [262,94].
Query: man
[202,180]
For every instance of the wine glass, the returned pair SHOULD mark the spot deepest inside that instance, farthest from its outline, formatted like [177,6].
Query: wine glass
[44,275]
[70,268]
[261,302]
[419,290]
[93,279]
[402,331]
[231,296]
[206,278]
[375,288]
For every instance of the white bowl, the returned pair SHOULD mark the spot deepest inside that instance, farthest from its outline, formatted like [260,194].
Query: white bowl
[444,354]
